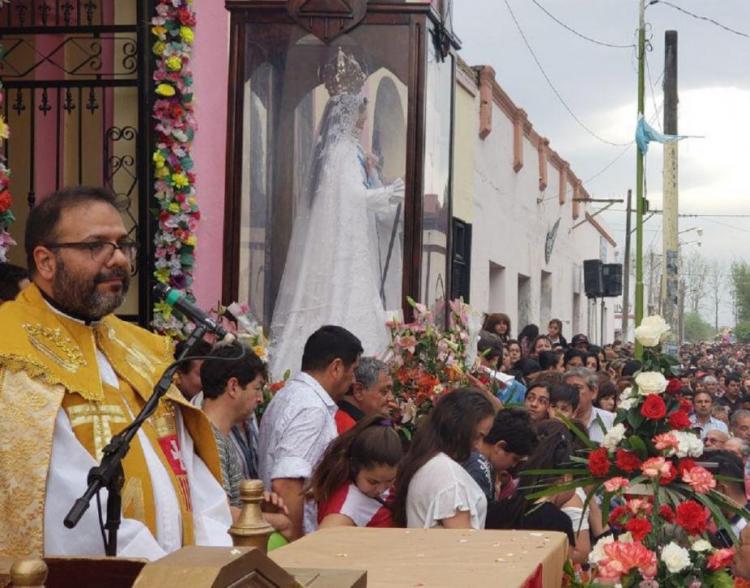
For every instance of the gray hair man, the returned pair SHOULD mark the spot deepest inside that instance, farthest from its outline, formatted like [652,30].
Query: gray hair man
[371,393]
[597,421]
[740,424]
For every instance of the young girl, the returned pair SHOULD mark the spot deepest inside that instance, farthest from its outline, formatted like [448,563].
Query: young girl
[433,489]
[352,483]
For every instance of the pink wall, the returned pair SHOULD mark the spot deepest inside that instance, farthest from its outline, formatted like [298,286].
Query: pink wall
[210,79]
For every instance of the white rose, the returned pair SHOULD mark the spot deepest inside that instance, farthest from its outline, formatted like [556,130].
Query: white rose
[613,437]
[650,383]
[627,404]
[597,553]
[651,330]
[677,558]
[701,545]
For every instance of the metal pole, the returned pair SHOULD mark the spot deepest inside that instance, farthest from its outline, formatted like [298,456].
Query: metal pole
[626,272]
[639,178]
[669,283]
[601,324]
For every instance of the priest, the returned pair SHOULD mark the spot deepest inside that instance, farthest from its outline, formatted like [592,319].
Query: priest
[71,375]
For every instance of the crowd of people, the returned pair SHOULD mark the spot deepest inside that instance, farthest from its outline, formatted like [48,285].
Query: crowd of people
[328,446]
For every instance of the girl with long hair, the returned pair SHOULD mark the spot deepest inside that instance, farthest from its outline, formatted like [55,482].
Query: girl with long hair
[432,488]
[499,324]
[353,482]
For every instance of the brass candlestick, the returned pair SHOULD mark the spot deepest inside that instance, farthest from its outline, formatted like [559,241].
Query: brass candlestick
[29,573]
[251,529]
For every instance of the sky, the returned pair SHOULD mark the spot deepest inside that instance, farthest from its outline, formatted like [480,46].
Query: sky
[599,85]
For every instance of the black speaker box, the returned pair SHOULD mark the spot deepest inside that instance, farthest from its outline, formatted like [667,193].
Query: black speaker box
[593,284]
[612,278]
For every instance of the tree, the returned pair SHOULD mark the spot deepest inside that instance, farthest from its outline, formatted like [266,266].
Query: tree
[716,285]
[740,274]
[697,329]
[694,269]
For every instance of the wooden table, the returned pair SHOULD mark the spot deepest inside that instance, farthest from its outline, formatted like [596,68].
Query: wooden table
[434,557]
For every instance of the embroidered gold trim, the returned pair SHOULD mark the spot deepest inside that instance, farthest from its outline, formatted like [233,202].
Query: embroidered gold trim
[56,346]
[37,371]
[135,357]
[100,417]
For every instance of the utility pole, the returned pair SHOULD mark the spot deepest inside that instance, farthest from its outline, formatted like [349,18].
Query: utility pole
[670,280]
[639,177]
[626,272]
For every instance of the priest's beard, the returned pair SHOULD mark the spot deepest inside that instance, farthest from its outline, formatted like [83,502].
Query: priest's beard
[79,296]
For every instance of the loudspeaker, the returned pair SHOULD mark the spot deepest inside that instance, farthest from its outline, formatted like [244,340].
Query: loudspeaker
[593,284]
[612,278]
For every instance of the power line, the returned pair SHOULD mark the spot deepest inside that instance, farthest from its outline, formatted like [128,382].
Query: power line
[581,35]
[552,86]
[699,17]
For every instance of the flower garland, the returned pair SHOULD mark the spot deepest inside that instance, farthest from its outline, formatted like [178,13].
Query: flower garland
[6,215]
[174,186]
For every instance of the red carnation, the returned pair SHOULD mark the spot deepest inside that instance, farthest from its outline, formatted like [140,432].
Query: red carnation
[679,420]
[685,465]
[599,462]
[691,516]
[667,478]
[654,408]
[5,200]
[686,405]
[666,512]
[627,461]
[674,386]
[639,528]
[617,514]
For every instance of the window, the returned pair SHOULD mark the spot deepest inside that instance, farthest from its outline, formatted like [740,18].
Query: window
[461,266]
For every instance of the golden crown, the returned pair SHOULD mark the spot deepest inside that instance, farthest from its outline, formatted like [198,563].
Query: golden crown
[342,75]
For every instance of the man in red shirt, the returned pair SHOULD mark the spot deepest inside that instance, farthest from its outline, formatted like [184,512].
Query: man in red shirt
[371,393]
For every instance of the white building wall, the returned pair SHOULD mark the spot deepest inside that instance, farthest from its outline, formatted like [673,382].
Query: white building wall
[511,218]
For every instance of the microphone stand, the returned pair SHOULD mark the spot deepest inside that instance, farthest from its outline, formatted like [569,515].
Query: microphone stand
[109,473]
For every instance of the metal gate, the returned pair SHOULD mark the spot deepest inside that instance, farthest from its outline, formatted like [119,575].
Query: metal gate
[76,79]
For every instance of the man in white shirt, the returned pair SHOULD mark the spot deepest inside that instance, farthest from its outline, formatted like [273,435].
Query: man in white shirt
[597,421]
[702,418]
[299,422]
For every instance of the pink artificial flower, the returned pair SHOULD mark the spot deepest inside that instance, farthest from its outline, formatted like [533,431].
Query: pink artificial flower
[720,558]
[655,467]
[700,479]
[666,441]
[623,557]
[637,505]
[407,342]
[616,483]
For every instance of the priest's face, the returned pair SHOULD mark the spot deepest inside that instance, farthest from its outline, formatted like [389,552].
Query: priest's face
[87,283]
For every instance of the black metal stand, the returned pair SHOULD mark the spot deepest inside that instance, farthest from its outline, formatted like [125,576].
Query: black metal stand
[109,473]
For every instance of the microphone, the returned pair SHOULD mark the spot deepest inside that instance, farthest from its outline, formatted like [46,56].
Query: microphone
[178,300]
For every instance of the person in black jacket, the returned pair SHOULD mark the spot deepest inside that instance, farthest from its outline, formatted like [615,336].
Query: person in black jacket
[554,450]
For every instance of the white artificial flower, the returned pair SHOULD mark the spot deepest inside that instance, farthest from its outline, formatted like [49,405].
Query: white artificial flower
[688,445]
[627,402]
[651,331]
[597,553]
[701,545]
[650,383]
[677,558]
[613,437]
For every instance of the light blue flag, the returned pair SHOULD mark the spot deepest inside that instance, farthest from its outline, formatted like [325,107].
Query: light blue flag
[645,133]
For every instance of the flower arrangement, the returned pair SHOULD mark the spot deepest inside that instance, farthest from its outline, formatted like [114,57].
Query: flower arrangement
[427,360]
[6,201]
[174,182]
[664,498]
